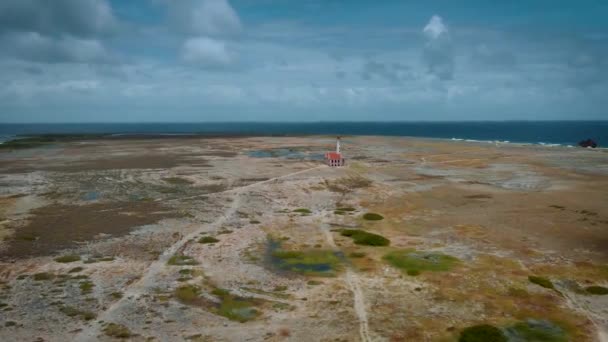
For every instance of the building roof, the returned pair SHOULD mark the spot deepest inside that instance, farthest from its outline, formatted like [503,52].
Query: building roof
[333,155]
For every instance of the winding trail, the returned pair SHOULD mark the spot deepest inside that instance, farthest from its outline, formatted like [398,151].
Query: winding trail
[137,289]
[353,283]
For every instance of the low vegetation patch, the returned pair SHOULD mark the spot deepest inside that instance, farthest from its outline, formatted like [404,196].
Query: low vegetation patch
[373,217]
[43,276]
[414,262]
[482,333]
[71,311]
[361,237]
[208,239]
[116,295]
[177,181]
[357,255]
[188,294]
[86,287]
[536,330]
[68,258]
[181,260]
[541,281]
[235,308]
[95,259]
[303,211]
[348,183]
[76,269]
[311,262]
[117,330]
[597,290]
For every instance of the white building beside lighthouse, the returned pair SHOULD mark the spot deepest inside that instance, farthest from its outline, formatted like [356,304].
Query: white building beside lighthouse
[335,158]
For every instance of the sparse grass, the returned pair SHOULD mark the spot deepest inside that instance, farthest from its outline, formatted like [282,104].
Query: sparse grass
[346,209]
[10,324]
[414,262]
[254,222]
[117,330]
[182,260]
[43,276]
[235,308]
[362,237]
[68,258]
[28,237]
[541,281]
[482,333]
[177,181]
[116,295]
[208,239]
[373,217]
[76,269]
[185,271]
[348,183]
[220,292]
[86,287]
[188,294]
[314,282]
[536,330]
[597,290]
[303,211]
[71,311]
[339,212]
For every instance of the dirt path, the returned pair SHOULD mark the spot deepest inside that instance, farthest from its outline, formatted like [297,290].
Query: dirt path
[133,292]
[353,283]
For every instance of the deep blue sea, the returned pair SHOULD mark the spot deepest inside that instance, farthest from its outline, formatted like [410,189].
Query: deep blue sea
[546,132]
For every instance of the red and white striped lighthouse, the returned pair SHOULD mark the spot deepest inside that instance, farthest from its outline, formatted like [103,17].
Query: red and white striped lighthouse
[335,158]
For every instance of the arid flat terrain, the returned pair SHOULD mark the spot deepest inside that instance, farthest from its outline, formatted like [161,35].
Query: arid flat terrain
[255,239]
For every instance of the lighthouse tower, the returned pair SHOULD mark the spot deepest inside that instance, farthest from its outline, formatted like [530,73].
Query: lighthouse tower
[335,158]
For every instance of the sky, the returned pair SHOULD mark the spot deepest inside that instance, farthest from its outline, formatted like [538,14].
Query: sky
[291,61]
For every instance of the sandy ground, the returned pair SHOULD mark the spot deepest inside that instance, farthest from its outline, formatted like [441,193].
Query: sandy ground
[120,210]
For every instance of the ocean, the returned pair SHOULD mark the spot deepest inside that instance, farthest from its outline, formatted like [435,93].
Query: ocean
[535,132]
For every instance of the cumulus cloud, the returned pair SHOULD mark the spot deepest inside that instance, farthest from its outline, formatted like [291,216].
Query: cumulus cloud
[83,18]
[206,52]
[33,46]
[438,55]
[204,17]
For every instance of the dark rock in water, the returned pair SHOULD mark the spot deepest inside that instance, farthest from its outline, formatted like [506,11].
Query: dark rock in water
[587,143]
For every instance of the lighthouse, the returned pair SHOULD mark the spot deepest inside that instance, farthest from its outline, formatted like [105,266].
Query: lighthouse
[335,158]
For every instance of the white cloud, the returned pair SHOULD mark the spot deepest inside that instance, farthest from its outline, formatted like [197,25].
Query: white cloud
[437,54]
[204,17]
[206,52]
[435,27]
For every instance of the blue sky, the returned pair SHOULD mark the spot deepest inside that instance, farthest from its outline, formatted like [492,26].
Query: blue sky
[279,60]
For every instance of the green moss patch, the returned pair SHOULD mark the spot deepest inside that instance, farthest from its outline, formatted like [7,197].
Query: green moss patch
[68,258]
[536,330]
[482,333]
[117,330]
[414,262]
[597,290]
[181,260]
[372,217]
[208,239]
[361,237]
[541,281]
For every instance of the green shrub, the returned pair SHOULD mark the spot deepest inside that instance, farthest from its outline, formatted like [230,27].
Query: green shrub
[302,211]
[117,330]
[208,239]
[362,237]
[220,292]
[43,276]
[544,282]
[71,311]
[373,217]
[181,260]
[86,287]
[76,269]
[482,333]
[187,294]
[597,290]
[346,209]
[68,258]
